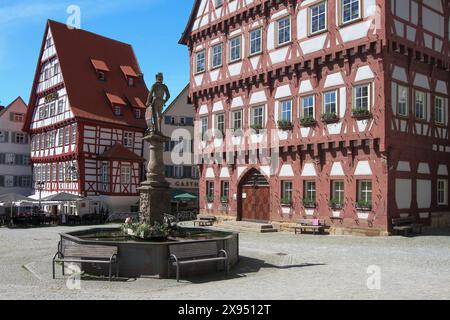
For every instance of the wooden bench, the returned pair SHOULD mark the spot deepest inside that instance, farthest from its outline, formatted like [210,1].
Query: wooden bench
[406,225]
[76,253]
[308,225]
[194,253]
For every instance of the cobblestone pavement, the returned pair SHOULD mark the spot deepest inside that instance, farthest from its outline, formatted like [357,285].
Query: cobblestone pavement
[272,266]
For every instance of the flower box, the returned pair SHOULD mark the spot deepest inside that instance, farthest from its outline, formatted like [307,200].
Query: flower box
[308,121]
[329,117]
[361,114]
[285,125]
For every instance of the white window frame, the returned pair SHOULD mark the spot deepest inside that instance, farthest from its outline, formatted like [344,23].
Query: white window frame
[319,15]
[253,40]
[400,100]
[363,193]
[234,47]
[362,97]
[342,8]
[442,110]
[423,115]
[216,56]
[338,188]
[234,119]
[313,106]
[279,30]
[220,122]
[285,111]
[128,138]
[287,190]
[257,119]
[310,190]
[125,174]
[197,61]
[325,104]
[442,192]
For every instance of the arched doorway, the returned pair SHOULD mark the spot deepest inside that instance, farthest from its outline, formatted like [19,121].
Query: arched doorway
[254,198]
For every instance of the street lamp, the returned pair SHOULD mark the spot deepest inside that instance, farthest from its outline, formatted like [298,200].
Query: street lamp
[40,186]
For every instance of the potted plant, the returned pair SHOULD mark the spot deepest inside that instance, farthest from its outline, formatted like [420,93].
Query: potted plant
[364,205]
[328,117]
[361,113]
[210,199]
[286,202]
[224,199]
[307,121]
[256,127]
[284,124]
[309,203]
[335,204]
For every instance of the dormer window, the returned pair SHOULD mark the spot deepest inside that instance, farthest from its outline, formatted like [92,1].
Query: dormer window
[101,76]
[101,68]
[130,75]
[137,113]
[117,110]
[131,82]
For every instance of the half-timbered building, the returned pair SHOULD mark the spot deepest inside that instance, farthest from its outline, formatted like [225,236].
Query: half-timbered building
[351,96]
[87,118]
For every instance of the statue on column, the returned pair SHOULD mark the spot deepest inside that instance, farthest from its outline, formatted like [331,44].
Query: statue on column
[157,99]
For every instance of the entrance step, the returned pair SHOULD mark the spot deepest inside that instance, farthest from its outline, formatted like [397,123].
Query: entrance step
[246,226]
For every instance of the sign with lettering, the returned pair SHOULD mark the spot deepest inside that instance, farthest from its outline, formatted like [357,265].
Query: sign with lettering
[184,184]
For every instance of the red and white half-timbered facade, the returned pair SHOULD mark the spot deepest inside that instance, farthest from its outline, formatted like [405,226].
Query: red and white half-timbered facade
[349,97]
[87,118]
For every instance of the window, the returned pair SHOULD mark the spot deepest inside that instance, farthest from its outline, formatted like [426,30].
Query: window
[308,107]
[439,111]
[173,120]
[310,191]
[125,174]
[235,49]
[365,191]
[131,82]
[350,10]
[286,191]
[219,3]
[128,139]
[318,18]
[61,173]
[56,69]
[329,102]
[420,105]
[237,120]
[48,43]
[3,136]
[220,123]
[255,41]
[52,108]
[17,117]
[9,181]
[258,117]
[182,121]
[117,110]
[74,133]
[67,136]
[402,101]
[284,30]
[10,159]
[224,190]
[46,111]
[54,172]
[361,98]
[442,192]
[204,128]
[60,137]
[51,139]
[286,110]
[194,173]
[137,113]
[338,191]
[25,181]
[216,56]
[48,176]
[20,138]
[101,76]
[178,170]
[61,106]
[210,190]
[200,60]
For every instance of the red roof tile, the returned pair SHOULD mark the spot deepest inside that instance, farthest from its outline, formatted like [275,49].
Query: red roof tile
[136,102]
[76,50]
[100,65]
[128,71]
[119,152]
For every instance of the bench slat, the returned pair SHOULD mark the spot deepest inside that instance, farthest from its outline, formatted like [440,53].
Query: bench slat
[189,250]
[89,251]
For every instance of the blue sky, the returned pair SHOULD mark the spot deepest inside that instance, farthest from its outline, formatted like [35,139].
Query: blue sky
[152,27]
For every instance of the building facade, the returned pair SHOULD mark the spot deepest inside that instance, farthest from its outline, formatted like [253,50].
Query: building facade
[178,124]
[87,118]
[15,167]
[348,98]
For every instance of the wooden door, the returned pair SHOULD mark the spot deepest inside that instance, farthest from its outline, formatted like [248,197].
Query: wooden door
[255,203]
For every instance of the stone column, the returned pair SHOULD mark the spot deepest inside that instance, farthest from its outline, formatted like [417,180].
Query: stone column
[155,191]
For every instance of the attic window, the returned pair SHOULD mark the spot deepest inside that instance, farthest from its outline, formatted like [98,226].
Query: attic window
[101,68]
[129,74]
[117,110]
[117,103]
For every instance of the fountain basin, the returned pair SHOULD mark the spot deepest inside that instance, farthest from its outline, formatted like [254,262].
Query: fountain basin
[138,258]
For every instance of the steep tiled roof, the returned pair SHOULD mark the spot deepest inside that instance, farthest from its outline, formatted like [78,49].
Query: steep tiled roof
[119,152]
[81,54]
[17,100]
